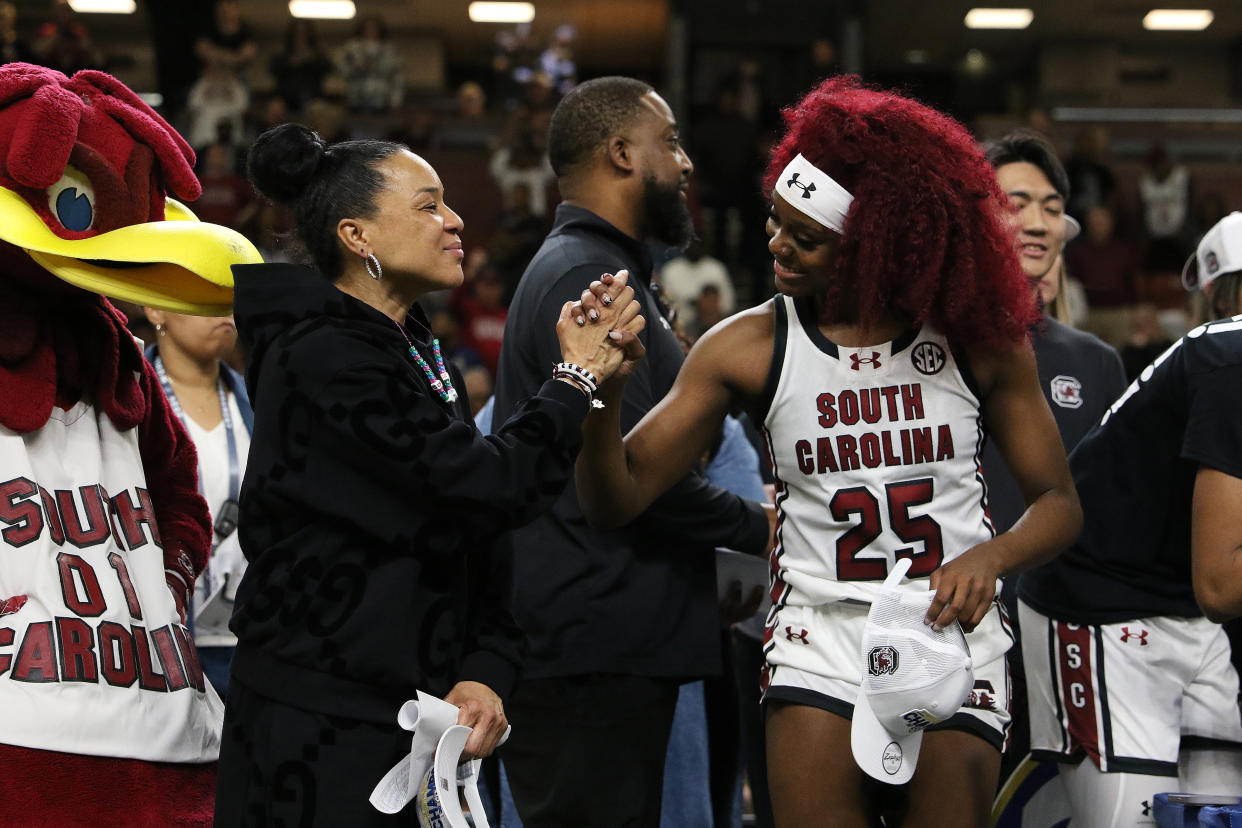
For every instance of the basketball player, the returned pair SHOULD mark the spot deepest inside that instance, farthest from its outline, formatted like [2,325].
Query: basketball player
[1127,665]
[898,336]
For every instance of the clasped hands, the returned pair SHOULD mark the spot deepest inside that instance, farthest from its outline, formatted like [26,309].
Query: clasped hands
[599,331]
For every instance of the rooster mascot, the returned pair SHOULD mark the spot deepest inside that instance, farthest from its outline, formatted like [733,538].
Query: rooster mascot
[105,717]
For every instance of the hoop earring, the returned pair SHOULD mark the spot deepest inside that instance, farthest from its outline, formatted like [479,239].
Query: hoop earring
[373,267]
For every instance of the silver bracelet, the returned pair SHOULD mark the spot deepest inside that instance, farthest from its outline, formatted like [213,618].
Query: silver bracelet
[580,377]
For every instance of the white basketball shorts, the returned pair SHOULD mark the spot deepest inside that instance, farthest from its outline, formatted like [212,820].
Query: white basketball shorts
[1131,694]
[813,656]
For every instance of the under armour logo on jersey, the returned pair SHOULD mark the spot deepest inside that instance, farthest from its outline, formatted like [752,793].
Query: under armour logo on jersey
[1126,635]
[1146,808]
[807,189]
[928,358]
[791,635]
[873,360]
[1066,391]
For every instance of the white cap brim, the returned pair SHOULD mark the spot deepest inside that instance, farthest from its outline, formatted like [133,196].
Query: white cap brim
[880,754]
[1072,227]
[1190,272]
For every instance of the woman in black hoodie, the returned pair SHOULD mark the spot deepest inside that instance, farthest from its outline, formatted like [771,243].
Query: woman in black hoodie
[371,505]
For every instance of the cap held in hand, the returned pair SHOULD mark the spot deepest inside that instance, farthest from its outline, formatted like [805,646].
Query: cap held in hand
[912,677]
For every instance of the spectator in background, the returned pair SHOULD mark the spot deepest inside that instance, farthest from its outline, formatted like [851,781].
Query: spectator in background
[684,278]
[13,47]
[227,199]
[479,307]
[372,68]
[557,61]
[1092,181]
[447,329]
[728,164]
[708,310]
[478,381]
[471,102]
[273,226]
[229,42]
[824,63]
[522,163]
[218,97]
[752,99]
[210,399]
[533,110]
[469,125]
[1164,190]
[519,232]
[326,118]
[1108,269]
[300,67]
[63,43]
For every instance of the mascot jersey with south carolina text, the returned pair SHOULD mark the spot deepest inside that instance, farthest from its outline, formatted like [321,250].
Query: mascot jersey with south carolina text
[93,658]
[876,456]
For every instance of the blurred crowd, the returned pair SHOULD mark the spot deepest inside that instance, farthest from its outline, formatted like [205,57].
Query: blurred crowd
[486,134]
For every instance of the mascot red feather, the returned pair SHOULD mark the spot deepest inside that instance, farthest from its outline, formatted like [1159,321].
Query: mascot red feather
[106,717]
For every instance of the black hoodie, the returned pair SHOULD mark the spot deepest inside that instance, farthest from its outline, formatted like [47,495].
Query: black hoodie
[370,509]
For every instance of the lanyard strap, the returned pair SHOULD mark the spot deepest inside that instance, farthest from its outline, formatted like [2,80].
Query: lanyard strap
[226,415]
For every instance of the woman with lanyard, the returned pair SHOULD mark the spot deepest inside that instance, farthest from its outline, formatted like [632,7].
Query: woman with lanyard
[898,335]
[373,510]
[210,399]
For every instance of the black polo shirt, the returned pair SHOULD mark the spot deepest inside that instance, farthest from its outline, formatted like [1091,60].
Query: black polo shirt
[640,600]
[1080,375]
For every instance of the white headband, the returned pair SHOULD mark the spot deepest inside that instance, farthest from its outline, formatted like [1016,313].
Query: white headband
[812,191]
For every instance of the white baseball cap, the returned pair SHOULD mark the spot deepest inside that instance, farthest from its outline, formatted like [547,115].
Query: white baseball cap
[1220,252]
[1072,227]
[912,677]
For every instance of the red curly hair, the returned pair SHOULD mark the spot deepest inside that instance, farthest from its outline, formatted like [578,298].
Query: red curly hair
[926,235]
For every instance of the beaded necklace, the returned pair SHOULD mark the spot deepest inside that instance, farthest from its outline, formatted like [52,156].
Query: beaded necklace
[445,389]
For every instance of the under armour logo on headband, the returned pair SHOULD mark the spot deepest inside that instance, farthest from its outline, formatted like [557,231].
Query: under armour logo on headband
[823,199]
[807,189]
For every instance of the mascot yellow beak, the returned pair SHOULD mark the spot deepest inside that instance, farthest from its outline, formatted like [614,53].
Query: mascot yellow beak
[179,264]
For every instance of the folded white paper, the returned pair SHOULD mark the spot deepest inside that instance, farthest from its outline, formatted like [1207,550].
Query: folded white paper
[431,770]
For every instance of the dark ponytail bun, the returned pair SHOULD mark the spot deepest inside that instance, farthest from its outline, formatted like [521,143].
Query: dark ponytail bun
[320,184]
[284,160]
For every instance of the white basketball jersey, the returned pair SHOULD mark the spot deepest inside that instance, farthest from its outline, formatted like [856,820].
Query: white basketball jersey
[93,658]
[876,455]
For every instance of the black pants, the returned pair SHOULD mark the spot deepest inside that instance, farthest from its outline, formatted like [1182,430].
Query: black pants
[283,766]
[589,750]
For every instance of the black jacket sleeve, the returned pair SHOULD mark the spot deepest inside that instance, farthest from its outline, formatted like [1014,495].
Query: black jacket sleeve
[692,510]
[433,473]
[495,644]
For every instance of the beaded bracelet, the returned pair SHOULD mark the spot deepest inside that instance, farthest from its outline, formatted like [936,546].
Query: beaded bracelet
[580,377]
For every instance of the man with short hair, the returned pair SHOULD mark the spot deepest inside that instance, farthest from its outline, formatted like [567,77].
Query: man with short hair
[1080,375]
[617,619]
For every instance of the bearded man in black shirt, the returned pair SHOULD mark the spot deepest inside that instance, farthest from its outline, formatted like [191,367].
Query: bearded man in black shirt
[617,619]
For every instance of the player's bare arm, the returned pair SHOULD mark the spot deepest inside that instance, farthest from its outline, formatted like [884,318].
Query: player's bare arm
[617,480]
[1216,544]
[1018,419]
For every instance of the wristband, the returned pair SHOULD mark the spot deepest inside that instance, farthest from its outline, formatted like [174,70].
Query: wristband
[580,377]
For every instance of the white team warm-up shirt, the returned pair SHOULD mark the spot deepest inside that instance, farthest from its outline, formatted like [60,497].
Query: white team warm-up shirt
[93,659]
[876,453]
